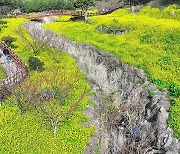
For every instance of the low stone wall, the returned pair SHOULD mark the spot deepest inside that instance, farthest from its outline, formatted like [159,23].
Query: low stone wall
[130,114]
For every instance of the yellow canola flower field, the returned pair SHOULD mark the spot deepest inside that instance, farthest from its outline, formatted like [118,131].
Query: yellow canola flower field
[152,43]
[30,133]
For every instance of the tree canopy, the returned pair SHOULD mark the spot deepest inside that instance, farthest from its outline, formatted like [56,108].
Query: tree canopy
[84,4]
[42,5]
[38,5]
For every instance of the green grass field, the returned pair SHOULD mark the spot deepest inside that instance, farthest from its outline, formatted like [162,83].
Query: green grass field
[152,44]
[31,133]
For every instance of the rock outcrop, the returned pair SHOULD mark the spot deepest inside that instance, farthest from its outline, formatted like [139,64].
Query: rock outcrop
[111,30]
[130,113]
[4,10]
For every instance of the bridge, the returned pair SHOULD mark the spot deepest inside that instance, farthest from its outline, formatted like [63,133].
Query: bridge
[15,69]
[78,14]
[43,14]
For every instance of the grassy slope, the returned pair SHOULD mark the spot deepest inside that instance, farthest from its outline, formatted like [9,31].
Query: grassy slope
[30,133]
[151,44]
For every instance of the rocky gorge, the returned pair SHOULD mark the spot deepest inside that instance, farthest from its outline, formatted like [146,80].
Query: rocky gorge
[130,114]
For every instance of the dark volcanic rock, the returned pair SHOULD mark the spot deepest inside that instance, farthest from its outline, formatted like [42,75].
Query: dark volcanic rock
[46,95]
[111,30]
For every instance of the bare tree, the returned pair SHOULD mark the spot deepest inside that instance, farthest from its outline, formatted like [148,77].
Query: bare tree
[4,93]
[51,92]
[24,95]
[62,89]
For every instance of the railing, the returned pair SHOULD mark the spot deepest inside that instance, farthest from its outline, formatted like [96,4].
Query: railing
[11,82]
[13,55]
[59,13]
[106,10]
[66,12]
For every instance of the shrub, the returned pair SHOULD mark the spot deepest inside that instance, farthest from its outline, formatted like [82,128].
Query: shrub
[2,22]
[35,64]
[152,94]
[174,89]
[8,40]
[4,93]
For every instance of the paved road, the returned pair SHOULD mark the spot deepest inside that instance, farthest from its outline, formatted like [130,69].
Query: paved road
[11,68]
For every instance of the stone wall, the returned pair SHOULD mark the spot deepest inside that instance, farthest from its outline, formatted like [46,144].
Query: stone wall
[130,113]
[4,10]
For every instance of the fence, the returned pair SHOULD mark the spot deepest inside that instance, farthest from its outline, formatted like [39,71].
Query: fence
[60,13]
[75,13]
[11,82]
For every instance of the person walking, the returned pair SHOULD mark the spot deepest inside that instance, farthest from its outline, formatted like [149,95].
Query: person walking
[7,54]
[5,51]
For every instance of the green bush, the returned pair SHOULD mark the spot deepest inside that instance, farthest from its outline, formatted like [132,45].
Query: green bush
[152,94]
[35,64]
[8,40]
[174,89]
[2,22]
